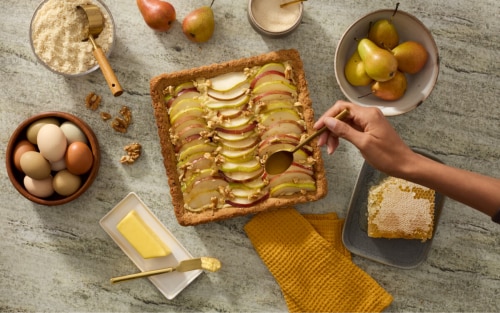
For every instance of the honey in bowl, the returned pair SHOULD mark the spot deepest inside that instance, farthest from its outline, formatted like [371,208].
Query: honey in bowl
[270,18]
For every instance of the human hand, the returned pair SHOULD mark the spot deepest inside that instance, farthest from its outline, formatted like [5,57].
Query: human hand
[368,129]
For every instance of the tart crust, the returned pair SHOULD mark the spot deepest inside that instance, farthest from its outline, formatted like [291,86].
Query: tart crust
[159,83]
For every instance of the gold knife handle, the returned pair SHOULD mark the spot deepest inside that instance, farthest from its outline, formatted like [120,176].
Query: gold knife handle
[141,274]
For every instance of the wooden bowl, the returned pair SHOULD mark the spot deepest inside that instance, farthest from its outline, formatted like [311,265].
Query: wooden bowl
[16,176]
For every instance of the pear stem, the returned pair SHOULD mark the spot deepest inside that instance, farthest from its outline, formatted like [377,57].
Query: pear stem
[364,95]
[395,10]
[214,1]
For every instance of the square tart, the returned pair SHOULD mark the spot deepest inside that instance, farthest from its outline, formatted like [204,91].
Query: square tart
[161,83]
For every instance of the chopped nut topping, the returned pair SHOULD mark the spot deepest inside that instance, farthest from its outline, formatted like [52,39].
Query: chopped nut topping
[133,153]
[105,116]
[92,101]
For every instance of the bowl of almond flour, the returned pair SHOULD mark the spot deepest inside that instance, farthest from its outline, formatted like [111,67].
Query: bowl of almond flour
[59,32]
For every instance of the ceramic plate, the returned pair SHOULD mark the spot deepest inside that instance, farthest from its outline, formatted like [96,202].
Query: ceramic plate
[402,253]
[169,284]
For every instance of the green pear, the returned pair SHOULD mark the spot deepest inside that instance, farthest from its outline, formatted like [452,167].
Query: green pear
[384,34]
[380,64]
[411,56]
[354,71]
[392,89]
[199,24]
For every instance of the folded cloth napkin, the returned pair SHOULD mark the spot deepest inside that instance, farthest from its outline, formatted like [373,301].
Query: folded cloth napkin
[308,260]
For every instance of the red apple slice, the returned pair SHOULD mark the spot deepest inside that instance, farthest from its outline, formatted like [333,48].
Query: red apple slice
[283,127]
[287,189]
[228,81]
[230,94]
[211,199]
[277,85]
[191,130]
[194,176]
[274,95]
[279,115]
[243,202]
[242,177]
[187,120]
[267,76]
[207,184]
[189,160]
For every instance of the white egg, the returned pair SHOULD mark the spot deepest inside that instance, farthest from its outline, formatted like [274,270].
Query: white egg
[41,188]
[73,133]
[58,165]
[51,142]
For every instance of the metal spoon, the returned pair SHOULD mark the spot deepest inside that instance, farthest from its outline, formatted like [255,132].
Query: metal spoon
[96,25]
[280,161]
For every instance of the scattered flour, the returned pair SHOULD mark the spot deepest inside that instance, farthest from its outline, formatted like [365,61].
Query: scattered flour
[58,30]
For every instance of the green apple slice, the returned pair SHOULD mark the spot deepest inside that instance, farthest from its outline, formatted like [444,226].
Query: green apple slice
[218,104]
[228,81]
[271,67]
[249,166]
[183,104]
[230,94]
[292,188]
[274,116]
[290,176]
[277,85]
[204,147]
[194,112]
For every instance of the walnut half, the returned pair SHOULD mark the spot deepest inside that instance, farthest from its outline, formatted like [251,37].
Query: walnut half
[133,153]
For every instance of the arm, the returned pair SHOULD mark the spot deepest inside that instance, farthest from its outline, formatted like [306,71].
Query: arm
[382,148]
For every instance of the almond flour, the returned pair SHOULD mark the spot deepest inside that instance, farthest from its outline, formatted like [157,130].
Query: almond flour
[58,32]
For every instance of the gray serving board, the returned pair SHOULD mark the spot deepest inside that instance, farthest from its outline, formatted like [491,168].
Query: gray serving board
[402,253]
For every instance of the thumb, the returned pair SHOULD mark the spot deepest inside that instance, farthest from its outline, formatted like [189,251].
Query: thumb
[343,130]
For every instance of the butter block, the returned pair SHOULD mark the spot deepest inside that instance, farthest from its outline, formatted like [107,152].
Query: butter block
[142,237]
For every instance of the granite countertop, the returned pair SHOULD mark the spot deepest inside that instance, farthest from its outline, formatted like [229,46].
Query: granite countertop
[60,259]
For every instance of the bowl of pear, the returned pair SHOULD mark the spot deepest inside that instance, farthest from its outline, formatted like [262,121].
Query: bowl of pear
[387,59]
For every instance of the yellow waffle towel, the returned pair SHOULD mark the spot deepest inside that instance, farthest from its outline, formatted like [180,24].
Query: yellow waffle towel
[306,256]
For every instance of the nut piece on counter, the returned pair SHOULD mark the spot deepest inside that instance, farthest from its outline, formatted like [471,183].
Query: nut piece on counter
[92,101]
[121,124]
[105,116]
[133,153]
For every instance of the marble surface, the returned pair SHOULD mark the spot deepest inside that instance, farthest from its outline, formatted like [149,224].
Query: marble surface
[59,258]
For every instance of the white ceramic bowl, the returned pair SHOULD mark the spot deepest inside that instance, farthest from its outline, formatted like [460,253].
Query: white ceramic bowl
[108,18]
[419,86]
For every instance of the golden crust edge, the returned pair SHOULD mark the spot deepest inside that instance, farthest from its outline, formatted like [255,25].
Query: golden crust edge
[160,82]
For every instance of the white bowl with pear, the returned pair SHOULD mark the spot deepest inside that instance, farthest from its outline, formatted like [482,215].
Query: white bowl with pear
[417,84]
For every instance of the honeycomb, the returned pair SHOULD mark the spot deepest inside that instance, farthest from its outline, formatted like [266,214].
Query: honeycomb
[400,209]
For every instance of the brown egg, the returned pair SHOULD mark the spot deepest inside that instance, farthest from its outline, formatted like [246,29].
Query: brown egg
[78,158]
[21,147]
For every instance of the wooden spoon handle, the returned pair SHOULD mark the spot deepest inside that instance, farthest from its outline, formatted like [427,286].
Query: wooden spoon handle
[107,71]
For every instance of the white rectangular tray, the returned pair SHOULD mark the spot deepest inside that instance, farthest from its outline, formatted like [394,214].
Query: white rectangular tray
[169,284]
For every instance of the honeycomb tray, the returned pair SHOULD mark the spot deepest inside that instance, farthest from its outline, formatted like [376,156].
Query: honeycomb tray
[158,85]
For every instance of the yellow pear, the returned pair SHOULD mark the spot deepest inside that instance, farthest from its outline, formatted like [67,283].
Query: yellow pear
[380,64]
[355,71]
[392,89]
[411,56]
[384,34]
[199,25]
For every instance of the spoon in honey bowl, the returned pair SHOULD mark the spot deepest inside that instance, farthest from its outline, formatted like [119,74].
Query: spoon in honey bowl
[280,161]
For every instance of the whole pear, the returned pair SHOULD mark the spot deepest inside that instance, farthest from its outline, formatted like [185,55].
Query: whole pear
[354,71]
[380,64]
[199,24]
[392,89]
[411,56]
[384,34]
[159,15]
